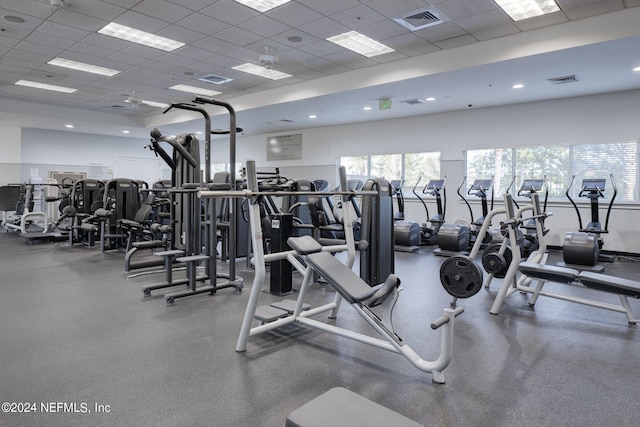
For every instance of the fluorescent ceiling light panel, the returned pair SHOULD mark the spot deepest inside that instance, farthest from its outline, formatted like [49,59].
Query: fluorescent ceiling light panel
[360,43]
[81,66]
[194,89]
[524,9]
[136,36]
[262,5]
[258,70]
[46,86]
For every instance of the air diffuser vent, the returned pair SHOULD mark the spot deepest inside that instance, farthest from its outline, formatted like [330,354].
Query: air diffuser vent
[564,79]
[413,101]
[419,19]
[212,78]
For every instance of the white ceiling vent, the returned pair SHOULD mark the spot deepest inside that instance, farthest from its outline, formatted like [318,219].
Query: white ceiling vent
[564,79]
[419,19]
[212,78]
[413,101]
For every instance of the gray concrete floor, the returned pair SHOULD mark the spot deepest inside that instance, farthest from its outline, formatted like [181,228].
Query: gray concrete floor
[75,331]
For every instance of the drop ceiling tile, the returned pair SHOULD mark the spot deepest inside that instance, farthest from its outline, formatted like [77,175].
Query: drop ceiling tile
[446,30]
[264,26]
[350,59]
[193,4]
[181,34]
[294,14]
[358,16]
[36,9]
[411,45]
[259,47]
[38,48]
[238,36]
[10,42]
[35,58]
[97,9]
[215,45]
[194,53]
[456,42]
[389,57]
[127,58]
[324,28]
[396,8]
[105,42]
[283,38]
[123,3]
[144,51]
[161,9]
[142,22]
[483,21]
[95,51]
[243,55]
[328,7]
[61,31]
[77,20]
[458,9]
[383,30]
[494,33]
[322,48]
[203,24]
[230,12]
[594,9]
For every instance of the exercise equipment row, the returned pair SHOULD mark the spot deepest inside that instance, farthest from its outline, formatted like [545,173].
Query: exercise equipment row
[310,258]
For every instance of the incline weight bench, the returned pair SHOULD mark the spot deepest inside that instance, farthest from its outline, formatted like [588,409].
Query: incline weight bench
[362,297]
[546,273]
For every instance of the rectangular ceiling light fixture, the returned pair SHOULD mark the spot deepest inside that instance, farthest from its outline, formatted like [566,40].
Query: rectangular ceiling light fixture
[46,86]
[196,90]
[258,70]
[360,43]
[149,103]
[262,5]
[524,9]
[81,66]
[136,36]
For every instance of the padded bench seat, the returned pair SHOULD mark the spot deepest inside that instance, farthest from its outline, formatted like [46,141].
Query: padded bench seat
[342,407]
[549,272]
[588,279]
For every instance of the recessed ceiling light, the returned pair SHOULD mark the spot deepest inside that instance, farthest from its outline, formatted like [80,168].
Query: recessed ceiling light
[524,9]
[294,39]
[194,89]
[518,86]
[125,131]
[136,36]
[81,66]
[70,126]
[13,19]
[149,103]
[262,5]
[257,70]
[367,108]
[312,116]
[46,86]
[431,99]
[636,69]
[360,43]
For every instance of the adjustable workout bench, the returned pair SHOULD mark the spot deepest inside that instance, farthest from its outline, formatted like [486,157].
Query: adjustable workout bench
[362,297]
[546,273]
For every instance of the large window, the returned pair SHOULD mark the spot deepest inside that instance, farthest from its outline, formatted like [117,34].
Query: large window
[559,164]
[407,167]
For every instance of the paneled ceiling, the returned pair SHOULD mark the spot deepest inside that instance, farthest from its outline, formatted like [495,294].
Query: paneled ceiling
[472,58]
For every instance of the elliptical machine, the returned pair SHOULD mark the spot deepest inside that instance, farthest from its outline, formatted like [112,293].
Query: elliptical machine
[582,249]
[457,238]
[435,188]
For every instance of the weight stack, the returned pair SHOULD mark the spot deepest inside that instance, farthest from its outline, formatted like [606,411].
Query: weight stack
[377,261]
[281,270]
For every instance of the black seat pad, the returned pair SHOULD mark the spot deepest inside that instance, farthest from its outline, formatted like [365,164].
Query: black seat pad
[348,284]
[549,272]
[616,285]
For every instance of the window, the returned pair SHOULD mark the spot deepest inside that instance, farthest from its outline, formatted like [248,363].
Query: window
[559,164]
[408,167]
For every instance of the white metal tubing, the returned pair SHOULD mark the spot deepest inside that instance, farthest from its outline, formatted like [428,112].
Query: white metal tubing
[475,250]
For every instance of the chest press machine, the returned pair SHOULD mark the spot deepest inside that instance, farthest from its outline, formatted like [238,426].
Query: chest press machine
[310,258]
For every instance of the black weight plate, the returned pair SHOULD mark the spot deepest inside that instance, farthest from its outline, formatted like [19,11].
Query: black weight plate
[460,276]
[496,265]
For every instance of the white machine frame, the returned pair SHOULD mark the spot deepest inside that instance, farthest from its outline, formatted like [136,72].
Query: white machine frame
[390,341]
